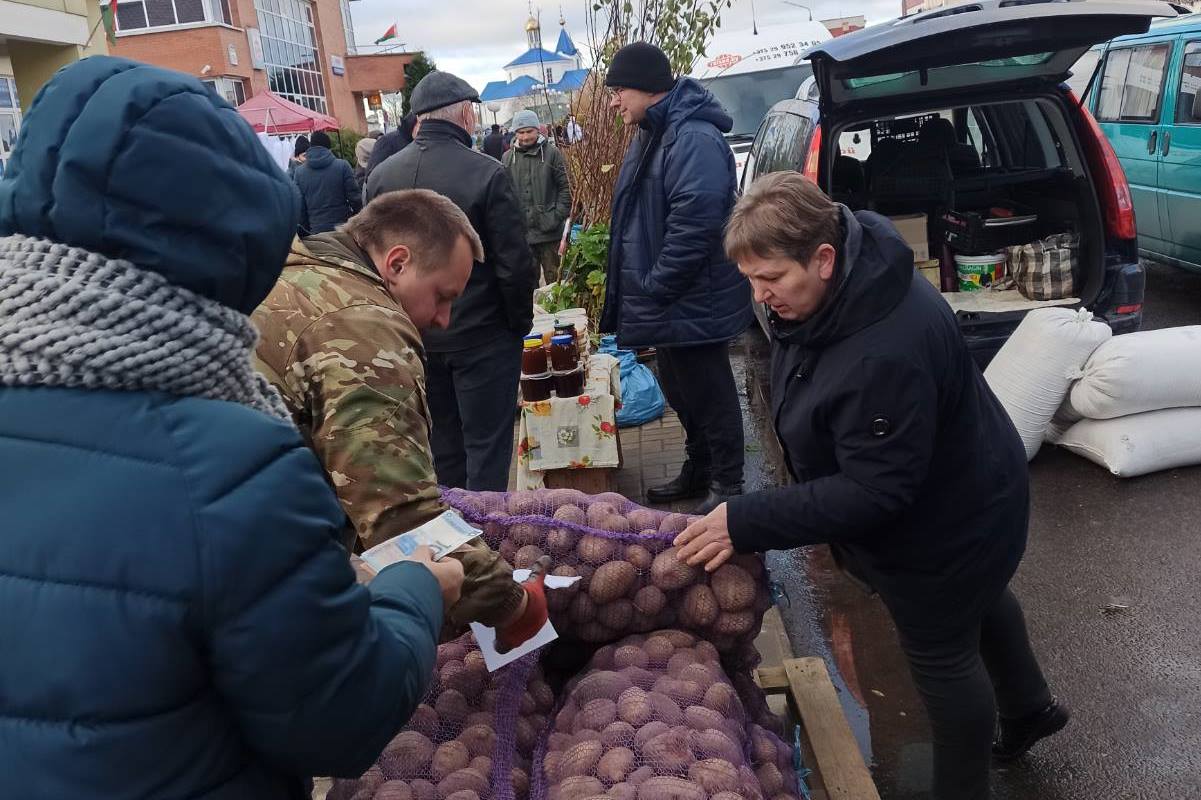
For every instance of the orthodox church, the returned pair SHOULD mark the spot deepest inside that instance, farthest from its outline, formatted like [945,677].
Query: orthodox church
[559,71]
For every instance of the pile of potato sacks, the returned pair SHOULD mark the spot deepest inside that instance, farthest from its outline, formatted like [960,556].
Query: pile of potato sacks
[665,710]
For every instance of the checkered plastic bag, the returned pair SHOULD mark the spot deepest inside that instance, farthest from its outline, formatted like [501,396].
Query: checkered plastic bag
[1045,269]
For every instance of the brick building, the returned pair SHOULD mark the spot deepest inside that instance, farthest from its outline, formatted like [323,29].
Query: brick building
[302,50]
[36,38]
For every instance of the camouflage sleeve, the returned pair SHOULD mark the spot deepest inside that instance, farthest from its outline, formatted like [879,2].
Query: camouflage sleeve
[361,377]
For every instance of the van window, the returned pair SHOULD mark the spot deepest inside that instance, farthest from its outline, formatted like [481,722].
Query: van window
[785,137]
[1082,72]
[748,96]
[1132,84]
[1190,83]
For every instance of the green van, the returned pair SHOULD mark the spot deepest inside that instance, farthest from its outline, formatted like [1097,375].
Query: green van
[1145,91]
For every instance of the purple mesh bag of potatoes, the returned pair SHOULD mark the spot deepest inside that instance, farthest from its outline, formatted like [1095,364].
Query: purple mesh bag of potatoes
[632,581]
[472,737]
[654,717]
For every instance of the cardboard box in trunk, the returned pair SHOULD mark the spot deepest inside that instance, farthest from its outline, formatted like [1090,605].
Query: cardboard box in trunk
[913,230]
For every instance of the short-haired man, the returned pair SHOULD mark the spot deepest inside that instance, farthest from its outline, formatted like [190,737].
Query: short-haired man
[327,186]
[905,463]
[539,174]
[339,339]
[473,365]
[670,284]
[494,143]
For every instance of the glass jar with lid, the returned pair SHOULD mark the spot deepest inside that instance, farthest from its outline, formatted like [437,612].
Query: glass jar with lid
[533,356]
[564,354]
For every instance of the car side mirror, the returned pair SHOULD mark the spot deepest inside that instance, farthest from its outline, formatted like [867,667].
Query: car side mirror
[1197,106]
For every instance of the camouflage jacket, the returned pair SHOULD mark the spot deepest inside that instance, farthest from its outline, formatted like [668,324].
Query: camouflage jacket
[348,362]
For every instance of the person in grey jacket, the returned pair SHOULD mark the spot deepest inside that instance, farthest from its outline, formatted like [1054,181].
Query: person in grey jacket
[327,185]
[539,174]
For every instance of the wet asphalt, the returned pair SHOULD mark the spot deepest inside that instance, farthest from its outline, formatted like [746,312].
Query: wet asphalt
[1112,596]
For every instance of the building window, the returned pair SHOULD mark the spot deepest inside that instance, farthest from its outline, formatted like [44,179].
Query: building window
[348,26]
[290,52]
[232,89]
[219,12]
[141,14]
[550,75]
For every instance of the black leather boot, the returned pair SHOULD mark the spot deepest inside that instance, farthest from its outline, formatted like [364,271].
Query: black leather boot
[693,481]
[1017,736]
[718,494]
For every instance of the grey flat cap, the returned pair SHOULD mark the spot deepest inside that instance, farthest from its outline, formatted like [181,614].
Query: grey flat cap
[439,90]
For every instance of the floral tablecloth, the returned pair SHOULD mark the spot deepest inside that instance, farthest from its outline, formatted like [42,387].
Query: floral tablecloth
[571,432]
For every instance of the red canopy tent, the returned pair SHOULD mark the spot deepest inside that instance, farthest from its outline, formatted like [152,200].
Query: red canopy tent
[269,113]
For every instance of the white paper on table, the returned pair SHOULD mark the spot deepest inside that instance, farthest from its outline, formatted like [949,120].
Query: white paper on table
[485,637]
[442,534]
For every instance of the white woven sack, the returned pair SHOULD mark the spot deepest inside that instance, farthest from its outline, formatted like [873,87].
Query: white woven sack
[1138,372]
[1139,444]
[1033,371]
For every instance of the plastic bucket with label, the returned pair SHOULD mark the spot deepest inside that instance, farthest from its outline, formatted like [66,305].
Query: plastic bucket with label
[979,272]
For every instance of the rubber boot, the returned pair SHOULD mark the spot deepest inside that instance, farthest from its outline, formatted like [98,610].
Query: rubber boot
[693,481]
[718,494]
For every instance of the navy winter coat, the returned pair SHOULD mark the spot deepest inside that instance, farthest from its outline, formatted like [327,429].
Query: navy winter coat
[177,618]
[331,193]
[905,461]
[669,280]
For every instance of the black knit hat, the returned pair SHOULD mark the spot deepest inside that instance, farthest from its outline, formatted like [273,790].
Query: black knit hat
[641,66]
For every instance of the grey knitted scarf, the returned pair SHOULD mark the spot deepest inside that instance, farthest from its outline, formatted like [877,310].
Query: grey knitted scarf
[72,318]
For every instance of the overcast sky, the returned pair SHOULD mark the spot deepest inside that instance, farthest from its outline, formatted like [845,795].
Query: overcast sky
[476,38]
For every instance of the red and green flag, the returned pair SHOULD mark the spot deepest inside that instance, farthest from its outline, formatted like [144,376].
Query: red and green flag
[108,17]
[388,34]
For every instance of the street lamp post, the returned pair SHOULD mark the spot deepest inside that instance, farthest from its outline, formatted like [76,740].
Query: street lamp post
[798,5]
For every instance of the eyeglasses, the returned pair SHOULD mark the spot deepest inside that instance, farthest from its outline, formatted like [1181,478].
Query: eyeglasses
[615,92]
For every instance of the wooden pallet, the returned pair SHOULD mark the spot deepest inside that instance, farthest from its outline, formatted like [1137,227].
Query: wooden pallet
[832,752]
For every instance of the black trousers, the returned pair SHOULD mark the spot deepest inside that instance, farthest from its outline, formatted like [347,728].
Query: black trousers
[699,384]
[473,400]
[966,677]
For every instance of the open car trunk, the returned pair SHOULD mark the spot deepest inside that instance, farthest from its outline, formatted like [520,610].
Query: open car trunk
[972,180]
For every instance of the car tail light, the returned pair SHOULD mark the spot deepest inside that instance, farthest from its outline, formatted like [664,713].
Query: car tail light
[1112,187]
[814,156]
[1134,308]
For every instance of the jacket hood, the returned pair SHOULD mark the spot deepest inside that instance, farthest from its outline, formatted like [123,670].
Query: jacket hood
[148,165]
[319,157]
[875,270]
[688,100]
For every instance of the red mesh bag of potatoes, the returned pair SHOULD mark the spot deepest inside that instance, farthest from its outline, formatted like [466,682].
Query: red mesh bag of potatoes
[631,579]
[471,738]
[653,717]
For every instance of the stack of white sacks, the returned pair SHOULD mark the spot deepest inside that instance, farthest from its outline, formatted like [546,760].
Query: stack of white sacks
[1129,403]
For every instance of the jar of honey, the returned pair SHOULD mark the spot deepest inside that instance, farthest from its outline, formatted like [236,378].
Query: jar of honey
[569,383]
[533,356]
[564,354]
[537,387]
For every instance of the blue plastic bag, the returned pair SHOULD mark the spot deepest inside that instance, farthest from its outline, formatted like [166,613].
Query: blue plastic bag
[641,398]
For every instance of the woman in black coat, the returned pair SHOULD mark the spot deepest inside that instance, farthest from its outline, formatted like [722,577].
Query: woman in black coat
[905,464]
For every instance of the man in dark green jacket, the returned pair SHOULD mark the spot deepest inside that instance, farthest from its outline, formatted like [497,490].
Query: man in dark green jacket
[540,175]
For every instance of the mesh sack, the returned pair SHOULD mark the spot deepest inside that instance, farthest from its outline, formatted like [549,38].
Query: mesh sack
[652,718]
[471,738]
[632,581]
